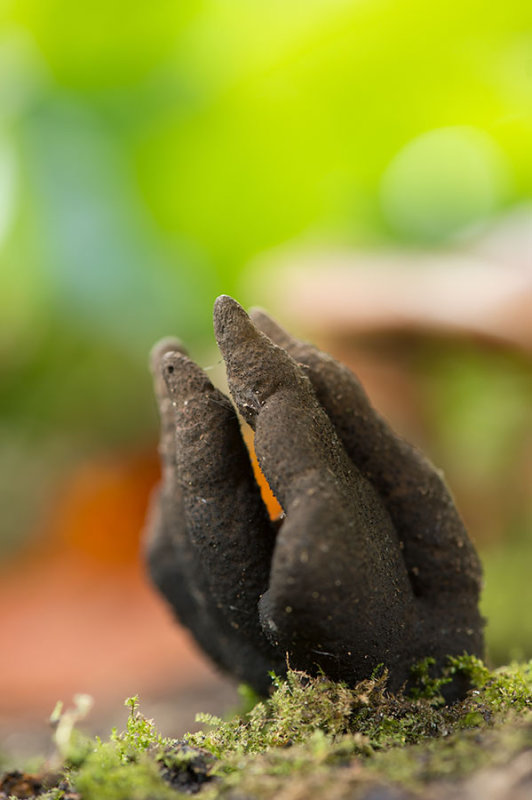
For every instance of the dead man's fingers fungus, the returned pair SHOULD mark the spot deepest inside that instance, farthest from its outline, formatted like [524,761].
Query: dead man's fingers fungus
[371,563]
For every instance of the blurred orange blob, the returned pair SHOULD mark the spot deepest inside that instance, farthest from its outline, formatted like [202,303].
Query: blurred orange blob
[101,510]
[77,607]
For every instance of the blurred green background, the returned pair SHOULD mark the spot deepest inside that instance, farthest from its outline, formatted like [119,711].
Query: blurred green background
[150,152]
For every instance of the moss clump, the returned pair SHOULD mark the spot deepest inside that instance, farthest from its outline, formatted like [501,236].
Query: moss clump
[135,764]
[302,705]
[317,737]
[454,756]
[312,726]
[105,775]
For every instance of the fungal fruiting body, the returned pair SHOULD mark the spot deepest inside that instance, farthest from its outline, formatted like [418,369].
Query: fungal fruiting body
[370,565]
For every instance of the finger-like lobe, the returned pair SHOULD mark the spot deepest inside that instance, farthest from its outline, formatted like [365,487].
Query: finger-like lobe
[337,574]
[225,519]
[437,550]
[178,567]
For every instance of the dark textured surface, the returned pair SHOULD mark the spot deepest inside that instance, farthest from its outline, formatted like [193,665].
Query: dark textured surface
[371,563]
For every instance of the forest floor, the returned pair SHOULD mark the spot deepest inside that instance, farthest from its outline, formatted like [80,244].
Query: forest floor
[312,738]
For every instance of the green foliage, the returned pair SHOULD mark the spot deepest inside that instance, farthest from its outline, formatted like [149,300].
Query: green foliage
[426,685]
[71,745]
[105,775]
[474,670]
[207,133]
[123,768]
[297,739]
[139,736]
[302,705]
[299,706]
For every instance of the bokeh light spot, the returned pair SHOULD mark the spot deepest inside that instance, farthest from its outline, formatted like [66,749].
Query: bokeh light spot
[442,182]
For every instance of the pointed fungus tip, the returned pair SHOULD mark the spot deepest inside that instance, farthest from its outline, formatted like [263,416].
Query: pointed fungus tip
[225,304]
[170,362]
[170,344]
[232,324]
[182,376]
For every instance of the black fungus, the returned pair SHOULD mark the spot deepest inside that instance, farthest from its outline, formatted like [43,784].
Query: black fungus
[371,563]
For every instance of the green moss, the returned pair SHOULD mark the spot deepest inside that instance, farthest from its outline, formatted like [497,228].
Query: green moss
[123,768]
[455,756]
[302,705]
[311,726]
[314,737]
[139,736]
[105,775]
